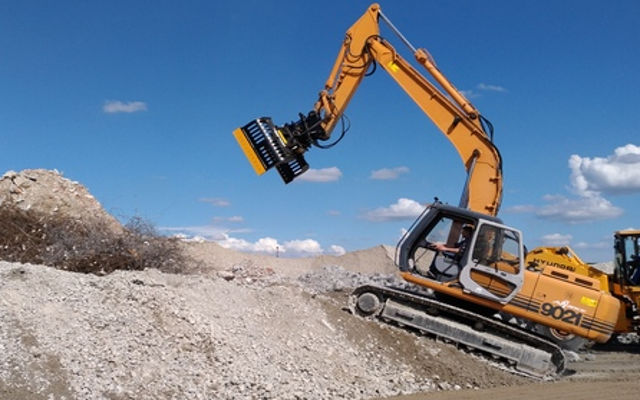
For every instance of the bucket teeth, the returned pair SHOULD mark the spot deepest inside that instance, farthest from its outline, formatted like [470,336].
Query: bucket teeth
[265,147]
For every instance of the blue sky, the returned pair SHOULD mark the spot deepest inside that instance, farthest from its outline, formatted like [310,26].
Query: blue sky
[137,101]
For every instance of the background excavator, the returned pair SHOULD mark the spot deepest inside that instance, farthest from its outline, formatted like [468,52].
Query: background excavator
[542,298]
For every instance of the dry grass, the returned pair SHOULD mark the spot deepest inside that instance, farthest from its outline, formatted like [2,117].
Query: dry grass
[62,242]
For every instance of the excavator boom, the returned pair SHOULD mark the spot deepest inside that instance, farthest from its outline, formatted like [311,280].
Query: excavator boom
[267,145]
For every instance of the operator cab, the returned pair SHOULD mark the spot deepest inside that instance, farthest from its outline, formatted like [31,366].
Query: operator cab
[627,257]
[487,262]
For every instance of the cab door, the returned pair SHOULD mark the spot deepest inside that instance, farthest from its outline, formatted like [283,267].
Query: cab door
[494,266]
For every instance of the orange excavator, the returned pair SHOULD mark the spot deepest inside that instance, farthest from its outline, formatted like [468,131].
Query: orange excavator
[480,289]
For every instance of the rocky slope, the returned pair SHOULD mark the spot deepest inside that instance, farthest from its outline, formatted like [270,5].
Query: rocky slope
[50,193]
[237,326]
[229,335]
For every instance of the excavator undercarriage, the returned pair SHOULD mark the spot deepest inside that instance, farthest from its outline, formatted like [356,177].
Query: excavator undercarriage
[525,352]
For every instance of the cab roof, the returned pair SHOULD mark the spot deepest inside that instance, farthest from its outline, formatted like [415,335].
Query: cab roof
[628,232]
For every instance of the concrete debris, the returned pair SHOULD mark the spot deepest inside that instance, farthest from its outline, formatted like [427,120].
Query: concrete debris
[48,192]
[223,335]
[243,326]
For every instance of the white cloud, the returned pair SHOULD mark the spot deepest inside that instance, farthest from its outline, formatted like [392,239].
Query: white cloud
[617,173]
[333,213]
[291,248]
[265,245]
[469,94]
[571,210]
[306,247]
[186,238]
[115,106]
[215,201]
[482,87]
[386,174]
[490,88]
[234,219]
[207,232]
[330,174]
[556,239]
[336,250]
[400,210]
[603,244]
[525,208]
[583,209]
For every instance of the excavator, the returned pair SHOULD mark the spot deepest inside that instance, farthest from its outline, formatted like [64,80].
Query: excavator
[481,290]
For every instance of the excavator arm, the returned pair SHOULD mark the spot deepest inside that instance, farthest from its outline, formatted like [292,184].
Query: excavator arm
[267,145]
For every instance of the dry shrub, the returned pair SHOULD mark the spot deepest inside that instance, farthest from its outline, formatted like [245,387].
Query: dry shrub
[65,243]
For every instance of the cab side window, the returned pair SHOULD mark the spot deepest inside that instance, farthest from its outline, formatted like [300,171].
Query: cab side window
[498,248]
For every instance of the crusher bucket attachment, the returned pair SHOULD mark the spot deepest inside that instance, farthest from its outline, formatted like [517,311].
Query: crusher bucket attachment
[266,146]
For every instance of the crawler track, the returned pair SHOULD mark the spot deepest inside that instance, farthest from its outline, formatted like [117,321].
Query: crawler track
[526,352]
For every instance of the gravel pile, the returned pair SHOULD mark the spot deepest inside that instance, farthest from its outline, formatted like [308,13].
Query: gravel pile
[148,335]
[50,193]
[239,327]
[335,278]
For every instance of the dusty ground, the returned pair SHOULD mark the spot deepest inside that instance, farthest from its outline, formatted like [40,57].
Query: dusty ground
[601,373]
[238,326]
[244,332]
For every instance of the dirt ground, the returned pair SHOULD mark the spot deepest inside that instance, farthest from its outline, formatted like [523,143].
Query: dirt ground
[613,372]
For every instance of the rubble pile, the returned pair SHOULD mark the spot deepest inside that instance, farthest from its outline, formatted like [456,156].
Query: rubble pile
[240,326]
